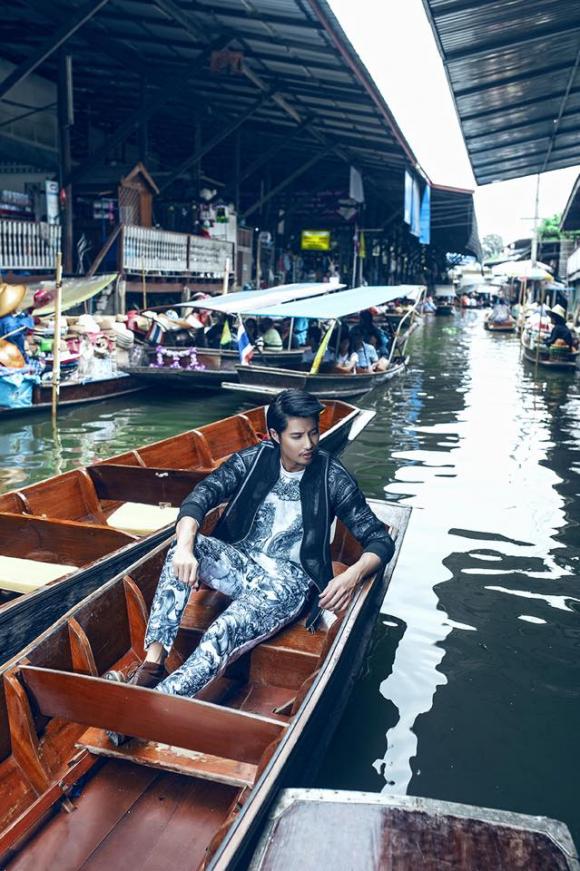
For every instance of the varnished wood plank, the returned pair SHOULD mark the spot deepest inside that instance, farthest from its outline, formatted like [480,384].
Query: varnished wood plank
[151,715]
[165,758]
[23,735]
[137,615]
[152,485]
[83,658]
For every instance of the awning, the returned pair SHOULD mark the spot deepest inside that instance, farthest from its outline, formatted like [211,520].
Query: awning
[343,303]
[246,301]
[74,291]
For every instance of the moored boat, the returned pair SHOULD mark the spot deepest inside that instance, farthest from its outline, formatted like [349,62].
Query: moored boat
[348,831]
[445,298]
[75,393]
[62,534]
[193,785]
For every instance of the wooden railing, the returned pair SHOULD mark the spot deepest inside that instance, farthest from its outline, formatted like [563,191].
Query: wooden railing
[29,245]
[159,252]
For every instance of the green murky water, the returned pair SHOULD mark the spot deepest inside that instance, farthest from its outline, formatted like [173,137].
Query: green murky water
[471,690]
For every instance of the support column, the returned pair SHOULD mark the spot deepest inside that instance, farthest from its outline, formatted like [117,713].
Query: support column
[65,107]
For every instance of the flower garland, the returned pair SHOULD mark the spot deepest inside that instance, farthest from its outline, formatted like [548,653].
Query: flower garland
[177,357]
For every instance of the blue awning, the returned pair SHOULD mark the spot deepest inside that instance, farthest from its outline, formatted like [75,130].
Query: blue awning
[341,303]
[243,301]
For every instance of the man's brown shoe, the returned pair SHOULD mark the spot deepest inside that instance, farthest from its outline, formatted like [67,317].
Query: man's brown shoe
[148,675]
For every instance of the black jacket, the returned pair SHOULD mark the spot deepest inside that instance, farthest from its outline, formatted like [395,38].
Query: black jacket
[327,491]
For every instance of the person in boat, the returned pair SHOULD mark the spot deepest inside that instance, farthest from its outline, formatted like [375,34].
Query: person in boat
[561,334]
[345,361]
[369,330]
[270,551]
[364,355]
[285,334]
[14,324]
[270,335]
[500,313]
[309,353]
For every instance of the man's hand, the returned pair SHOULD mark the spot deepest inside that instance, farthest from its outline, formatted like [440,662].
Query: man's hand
[339,590]
[185,565]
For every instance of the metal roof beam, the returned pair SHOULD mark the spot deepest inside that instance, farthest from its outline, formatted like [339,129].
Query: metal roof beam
[213,142]
[519,125]
[50,45]
[304,167]
[536,157]
[522,104]
[268,20]
[511,80]
[479,50]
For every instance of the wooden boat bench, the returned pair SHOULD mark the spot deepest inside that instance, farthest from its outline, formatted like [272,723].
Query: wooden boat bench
[187,736]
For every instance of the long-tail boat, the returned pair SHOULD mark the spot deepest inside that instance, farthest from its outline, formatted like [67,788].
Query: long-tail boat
[60,537]
[329,382]
[193,785]
[75,393]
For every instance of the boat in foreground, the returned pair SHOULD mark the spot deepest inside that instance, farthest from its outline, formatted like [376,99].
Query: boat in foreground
[60,537]
[362,831]
[192,787]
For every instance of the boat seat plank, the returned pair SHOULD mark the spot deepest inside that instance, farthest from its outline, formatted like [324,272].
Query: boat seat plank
[153,716]
[23,575]
[73,499]
[155,486]
[166,758]
[138,518]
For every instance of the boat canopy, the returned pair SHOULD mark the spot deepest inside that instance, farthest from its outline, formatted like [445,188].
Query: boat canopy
[445,290]
[74,291]
[244,301]
[341,304]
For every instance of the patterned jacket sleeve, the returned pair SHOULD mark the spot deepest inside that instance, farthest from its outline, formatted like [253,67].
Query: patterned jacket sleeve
[218,487]
[350,506]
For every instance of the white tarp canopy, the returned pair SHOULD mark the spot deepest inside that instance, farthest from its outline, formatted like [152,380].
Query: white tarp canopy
[245,301]
[342,303]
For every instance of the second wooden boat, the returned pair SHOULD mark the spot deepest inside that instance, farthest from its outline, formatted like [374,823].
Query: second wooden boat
[557,360]
[502,327]
[76,393]
[192,787]
[63,534]
[267,381]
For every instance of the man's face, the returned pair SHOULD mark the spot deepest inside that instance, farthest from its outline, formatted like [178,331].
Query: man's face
[298,442]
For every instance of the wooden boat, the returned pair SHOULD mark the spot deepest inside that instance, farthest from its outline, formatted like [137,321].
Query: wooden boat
[445,298]
[63,534]
[76,393]
[346,830]
[502,327]
[267,381]
[192,787]
[558,361]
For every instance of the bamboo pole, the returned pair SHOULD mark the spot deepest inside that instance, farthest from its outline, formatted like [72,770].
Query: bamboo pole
[56,340]
[226,275]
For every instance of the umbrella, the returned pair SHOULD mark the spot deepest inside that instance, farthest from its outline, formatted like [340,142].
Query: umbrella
[524,269]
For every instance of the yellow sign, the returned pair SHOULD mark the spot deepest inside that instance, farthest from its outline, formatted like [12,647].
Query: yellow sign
[315,240]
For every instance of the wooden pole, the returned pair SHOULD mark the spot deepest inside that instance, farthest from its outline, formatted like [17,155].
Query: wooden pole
[226,275]
[56,340]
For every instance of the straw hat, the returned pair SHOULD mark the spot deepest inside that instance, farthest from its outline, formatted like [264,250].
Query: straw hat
[560,311]
[11,295]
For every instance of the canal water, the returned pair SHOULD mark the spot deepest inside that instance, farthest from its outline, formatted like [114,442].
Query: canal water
[471,690]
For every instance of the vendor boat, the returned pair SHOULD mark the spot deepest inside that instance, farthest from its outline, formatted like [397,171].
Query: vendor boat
[39,396]
[192,787]
[62,535]
[554,358]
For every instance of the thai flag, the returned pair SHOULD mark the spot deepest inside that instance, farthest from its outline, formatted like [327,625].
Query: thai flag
[245,348]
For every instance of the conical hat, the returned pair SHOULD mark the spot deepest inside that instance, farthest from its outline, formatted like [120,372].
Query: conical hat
[11,295]
[559,310]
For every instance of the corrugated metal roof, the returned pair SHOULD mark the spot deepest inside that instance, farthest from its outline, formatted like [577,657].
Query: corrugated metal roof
[514,69]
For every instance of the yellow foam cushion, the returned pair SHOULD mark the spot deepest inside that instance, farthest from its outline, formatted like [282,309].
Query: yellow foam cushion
[23,575]
[140,519]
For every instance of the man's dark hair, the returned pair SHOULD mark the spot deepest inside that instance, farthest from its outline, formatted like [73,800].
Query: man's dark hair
[291,403]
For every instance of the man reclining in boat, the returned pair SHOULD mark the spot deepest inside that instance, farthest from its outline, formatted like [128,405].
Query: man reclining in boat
[270,551]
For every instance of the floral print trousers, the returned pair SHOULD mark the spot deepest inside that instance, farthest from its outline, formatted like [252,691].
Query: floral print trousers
[263,601]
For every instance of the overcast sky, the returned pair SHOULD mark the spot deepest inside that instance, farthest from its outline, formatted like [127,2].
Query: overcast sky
[396,43]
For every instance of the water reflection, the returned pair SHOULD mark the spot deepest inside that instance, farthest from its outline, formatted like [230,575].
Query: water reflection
[479,682]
